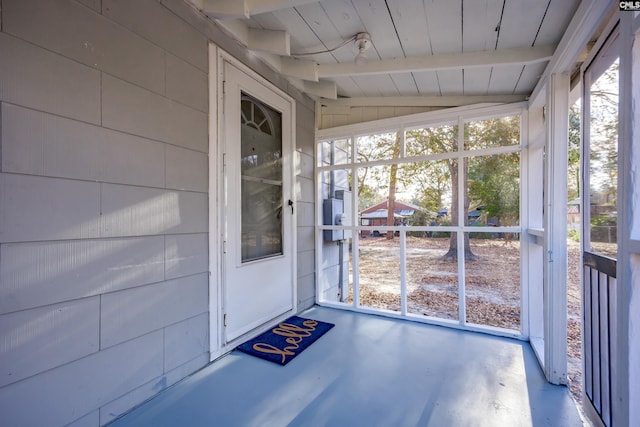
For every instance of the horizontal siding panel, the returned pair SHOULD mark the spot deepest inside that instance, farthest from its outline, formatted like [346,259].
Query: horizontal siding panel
[186,212]
[70,391]
[140,211]
[40,79]
[41,273]
[74,31]
[303,164]
[305,216]
[43,338]
[186,83]
[113,409]
[186,254]
[185,341]
[305,238]
[135,312]
[154,22]
[133,211]
[36,208]
[186,169]
[129,108]
[43,144]
[304,190]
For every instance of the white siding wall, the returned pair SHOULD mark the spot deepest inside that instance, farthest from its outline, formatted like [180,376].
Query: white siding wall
[104,204]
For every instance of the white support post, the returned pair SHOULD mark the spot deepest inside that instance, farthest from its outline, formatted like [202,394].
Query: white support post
[403,272]
[626,411]
[555,230]
[534,227]
[462,213]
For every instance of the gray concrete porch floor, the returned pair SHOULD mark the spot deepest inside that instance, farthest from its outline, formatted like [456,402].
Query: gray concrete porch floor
[370,371]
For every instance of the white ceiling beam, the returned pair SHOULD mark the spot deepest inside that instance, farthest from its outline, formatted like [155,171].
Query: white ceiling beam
[302,69]
[264,6]
[420,101]
[236,28]
[271,41]
[323,89]
[222,9]
[445,61]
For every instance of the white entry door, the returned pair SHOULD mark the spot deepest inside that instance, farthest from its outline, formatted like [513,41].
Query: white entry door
[258,266]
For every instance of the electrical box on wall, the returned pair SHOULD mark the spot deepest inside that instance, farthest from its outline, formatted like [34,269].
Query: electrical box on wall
[332,214]
[345,196]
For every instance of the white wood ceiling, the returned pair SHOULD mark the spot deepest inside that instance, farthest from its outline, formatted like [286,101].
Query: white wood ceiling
[419,47]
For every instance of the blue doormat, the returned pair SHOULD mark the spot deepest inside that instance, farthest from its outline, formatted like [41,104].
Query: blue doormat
[286,340]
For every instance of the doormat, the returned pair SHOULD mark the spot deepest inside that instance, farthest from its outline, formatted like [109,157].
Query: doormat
[284,342]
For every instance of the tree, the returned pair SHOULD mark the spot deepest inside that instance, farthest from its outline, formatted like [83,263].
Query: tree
[393,180]
[444,139]
[494,181]
[573,154]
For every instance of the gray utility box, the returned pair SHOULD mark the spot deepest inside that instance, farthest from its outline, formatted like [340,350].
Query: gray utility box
[332,213]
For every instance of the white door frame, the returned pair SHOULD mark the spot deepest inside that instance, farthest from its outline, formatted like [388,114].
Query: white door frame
[217,197]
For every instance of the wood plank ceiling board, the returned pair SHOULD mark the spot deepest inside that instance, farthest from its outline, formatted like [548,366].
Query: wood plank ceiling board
[530,76]
[375,17]
[376,85]
[480,19]
[504,79]
[476,80]
[444,19]
[343,16]
[322,26]
[336,18]
[450,82]
[556,21]
[427,82]
[303,39]
[410,22]
[267,21]
[520,22]
[405,83]
[347,87]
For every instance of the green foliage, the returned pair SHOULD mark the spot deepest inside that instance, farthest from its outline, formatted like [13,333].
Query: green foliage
[573,189]
[494,181]
[574,235]
[603,220]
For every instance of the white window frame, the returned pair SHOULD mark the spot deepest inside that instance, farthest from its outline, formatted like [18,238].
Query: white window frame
[459,116]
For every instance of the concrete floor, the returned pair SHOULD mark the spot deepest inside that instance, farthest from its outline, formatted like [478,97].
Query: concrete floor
[370,371]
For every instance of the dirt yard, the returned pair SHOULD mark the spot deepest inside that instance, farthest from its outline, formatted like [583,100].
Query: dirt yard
[492,285]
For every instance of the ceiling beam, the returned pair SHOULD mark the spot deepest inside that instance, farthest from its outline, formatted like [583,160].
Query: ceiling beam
[223,9]
[323,89]
[445,61]
[264,6]
[420,101]
[270,41]
[300,69]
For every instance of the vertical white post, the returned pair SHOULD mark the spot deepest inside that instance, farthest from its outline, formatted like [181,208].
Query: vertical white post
[626,411]
[356,240]
[534,225]
[215,296]
[403,271]
[555,230]
[462,213]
